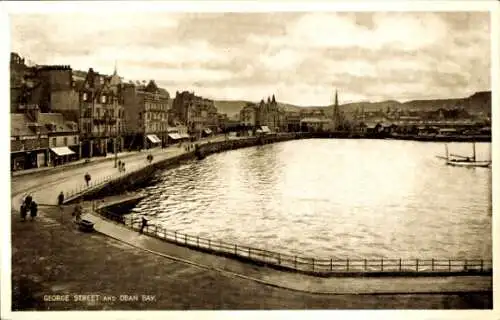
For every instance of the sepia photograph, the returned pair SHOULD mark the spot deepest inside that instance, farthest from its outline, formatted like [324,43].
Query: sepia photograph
[171,156]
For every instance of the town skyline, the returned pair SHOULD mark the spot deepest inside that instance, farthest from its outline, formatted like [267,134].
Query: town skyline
[248,56]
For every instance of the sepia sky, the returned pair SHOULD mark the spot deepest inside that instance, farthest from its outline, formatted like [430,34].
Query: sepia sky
[300,57]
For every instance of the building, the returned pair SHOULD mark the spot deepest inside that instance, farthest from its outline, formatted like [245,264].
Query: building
[101,114]
[315,124]
[248,115]
[292,121]
[199,114]
[28,140]
[146,110]
[63,138]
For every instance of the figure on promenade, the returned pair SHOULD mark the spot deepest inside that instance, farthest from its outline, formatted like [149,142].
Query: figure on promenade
[144,223]
[87,178]
[24,212]
[60,202]
[77,212]
[60,199]
[150,158]
[123,166]
[33,210]
[28,200]
[119,166]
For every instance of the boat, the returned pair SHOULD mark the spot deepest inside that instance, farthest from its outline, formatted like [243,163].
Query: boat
[464,161]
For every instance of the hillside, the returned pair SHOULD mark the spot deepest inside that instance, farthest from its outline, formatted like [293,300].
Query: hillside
[478,102]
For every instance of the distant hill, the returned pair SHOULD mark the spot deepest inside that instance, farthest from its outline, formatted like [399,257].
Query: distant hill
[478,102]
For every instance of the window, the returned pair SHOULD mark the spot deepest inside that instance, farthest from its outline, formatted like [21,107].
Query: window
[65,141]
[103,99]
[84,96]
[54,142]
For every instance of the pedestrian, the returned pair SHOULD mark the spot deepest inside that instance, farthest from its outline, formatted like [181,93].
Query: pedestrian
[60,199]
[123,166]
[33,210]
[28,200]
[87,178]
[77,212]
[24,212]
[144,223]
[119,165]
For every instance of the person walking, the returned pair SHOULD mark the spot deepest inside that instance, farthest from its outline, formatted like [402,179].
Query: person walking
[33,210]
[23,211]
[77,212]
[144,223]
[87,178]
[60,202]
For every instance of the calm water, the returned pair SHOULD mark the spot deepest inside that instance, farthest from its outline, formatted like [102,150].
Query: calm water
[332,198]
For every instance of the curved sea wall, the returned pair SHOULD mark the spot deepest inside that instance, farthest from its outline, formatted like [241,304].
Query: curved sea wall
[141,177]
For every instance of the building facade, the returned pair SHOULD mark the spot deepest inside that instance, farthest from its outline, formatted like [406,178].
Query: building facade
[197,113]
[101,114]
[146,111]
[29,141]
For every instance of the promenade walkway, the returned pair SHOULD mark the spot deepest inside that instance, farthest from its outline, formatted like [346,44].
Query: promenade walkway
[72,178]
[290,280]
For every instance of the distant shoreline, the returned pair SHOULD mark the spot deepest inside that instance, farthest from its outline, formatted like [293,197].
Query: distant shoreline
[413,137]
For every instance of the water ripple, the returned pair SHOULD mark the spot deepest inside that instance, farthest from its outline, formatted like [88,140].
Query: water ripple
[331,198]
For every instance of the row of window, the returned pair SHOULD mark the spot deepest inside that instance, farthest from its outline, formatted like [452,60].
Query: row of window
[103,98]
[155,106]
[65,141]
[157,127]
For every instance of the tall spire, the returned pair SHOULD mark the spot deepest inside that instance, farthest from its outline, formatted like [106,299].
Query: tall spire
[336,98]
[116,71]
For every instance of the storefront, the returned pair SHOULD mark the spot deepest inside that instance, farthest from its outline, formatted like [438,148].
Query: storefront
[153,141]
[61,155]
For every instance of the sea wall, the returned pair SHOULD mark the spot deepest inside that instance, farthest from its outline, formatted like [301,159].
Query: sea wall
[140,178]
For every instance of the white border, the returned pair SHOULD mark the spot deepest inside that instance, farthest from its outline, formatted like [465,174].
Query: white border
[244,6]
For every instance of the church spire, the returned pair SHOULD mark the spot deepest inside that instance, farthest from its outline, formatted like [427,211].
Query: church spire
[336,98]
[115,71]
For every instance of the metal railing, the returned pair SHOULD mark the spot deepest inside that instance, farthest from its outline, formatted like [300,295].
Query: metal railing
[305,264]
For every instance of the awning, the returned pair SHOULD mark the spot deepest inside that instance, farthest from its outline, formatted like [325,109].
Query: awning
[259,131]
[265,129]
[153,138]
[174,136]
[207,131]
[62,151]
[185,135]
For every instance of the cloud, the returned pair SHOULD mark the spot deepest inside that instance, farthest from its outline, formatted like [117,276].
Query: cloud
[299,56]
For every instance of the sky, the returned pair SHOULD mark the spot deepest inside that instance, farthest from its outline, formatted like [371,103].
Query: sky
[301,57]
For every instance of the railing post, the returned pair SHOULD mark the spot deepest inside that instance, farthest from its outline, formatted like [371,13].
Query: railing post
[175,236]
[417,265]
[465,265]
[449,265]
[382,264]
[249,252]
[365,265]
[164,233]
[399,264]
[347,265]
[482,265]
[295,262]
[331,264]
[198,241]
[432,264]
[185,238]
[209,244]
[312,263]
[279,259]
[235,249]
